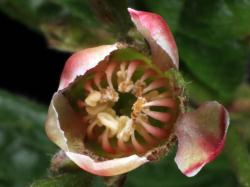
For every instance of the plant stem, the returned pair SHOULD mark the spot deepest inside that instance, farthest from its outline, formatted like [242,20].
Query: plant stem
[115,181]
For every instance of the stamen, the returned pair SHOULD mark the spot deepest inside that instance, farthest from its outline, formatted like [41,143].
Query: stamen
[124,84]
[147,74]
[109,122]
[137,107]
[122,146]
[138,88]
[90,129]
[151,95]
[131,69]
[162,95]
[93,98]
[109,94]
[105,142]
[109,72]
[97,80]
[88,86]
[155,131]
[161,116]
[131,134]
[125,128]
[145,135]
[95,110]
[154,85]
[138,147]
[162,102]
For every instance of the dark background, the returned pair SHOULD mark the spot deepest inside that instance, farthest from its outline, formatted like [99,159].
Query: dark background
[28,66]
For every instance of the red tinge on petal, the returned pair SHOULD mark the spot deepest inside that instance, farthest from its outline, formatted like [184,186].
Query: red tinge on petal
[201,136]
[107,168]
[156,31]
[80,62]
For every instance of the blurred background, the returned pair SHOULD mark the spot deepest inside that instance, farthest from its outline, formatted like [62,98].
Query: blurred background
[37,37]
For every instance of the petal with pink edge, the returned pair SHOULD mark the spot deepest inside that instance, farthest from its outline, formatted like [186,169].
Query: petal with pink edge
[156,31]
[112,167]
[64,126]
[201,135]
[79,63]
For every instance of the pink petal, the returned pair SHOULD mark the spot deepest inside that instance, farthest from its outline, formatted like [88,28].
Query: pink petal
[63,126]
[156,31]
[80,62]
[201,135]
[107,168]
[53,129]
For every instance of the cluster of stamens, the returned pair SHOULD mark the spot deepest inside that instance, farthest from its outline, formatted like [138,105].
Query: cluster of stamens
[126,133]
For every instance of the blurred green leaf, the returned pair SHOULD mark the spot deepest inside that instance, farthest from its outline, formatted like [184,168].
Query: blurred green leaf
[25,149]
[221,70]
[72,24]
[114,13]
[79,178]
[216,22]
[238,153]
[165,173]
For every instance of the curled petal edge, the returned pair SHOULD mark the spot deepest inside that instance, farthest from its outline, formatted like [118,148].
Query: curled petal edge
[80,62]
[156,31]
[107,168]
[201,135]
[53,129]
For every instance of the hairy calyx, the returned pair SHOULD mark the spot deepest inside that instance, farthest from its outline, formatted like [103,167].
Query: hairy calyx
[148,119]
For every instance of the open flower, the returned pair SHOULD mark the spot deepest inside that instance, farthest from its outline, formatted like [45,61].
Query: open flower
[117,108]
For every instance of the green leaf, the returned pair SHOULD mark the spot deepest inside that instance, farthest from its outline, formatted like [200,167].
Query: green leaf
[114,13]
[166,173]
[21,10]
[25,149]
[216,21]
[221,70]
[71,25]
[238,153]
[79,178]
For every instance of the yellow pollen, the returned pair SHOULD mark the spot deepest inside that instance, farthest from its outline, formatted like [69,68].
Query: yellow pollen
[130,130]
[124,84]
[138,88]
[93,98]
[109,94]
[137,107]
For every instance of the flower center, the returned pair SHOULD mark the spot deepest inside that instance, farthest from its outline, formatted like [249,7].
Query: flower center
[129,108]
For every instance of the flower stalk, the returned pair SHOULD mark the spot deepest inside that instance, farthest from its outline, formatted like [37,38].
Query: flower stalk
[115,181]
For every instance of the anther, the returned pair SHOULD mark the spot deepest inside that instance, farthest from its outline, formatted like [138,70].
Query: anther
[109,121]
[93,98]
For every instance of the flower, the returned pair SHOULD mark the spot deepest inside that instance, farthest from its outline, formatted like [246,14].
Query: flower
[117,108]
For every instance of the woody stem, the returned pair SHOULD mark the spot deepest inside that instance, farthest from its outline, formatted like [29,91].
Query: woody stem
[115,181]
